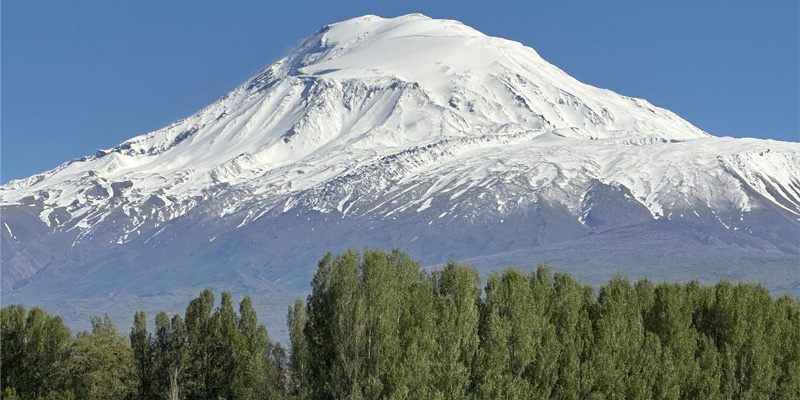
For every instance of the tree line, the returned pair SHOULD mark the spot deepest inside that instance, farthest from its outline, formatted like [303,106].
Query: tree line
[376,325]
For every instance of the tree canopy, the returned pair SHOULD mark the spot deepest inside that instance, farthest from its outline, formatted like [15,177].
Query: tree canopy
[376,326]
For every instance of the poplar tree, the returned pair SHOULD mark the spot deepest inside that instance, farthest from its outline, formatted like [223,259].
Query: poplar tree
[141,344]
[457,316]
[296,321]
[518,351]
[227,350]
[619,335]
[382,302]
[319,330]
[542,372]
[36,352]
[671,320]
[337,328]
[785,332]
[419,335]
[169,346]
[199,332]
[255,372]
[176,356]
[567,317]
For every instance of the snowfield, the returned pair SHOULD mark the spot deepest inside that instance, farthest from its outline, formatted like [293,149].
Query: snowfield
[407,132]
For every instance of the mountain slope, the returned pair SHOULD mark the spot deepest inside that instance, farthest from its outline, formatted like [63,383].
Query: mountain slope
[411,132]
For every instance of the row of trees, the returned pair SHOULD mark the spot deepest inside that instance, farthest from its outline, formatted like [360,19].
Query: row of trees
[213,354]
[378,326]
[41,359]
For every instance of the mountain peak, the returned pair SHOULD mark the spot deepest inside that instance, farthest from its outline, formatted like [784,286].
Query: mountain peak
[368,87]
[412,46]
[407,24]
[404,25]
[406,132]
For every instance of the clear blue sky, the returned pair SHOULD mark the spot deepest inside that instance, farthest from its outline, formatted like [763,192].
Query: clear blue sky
[82,75]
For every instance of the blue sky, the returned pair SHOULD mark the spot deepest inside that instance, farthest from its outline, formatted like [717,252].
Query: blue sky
[82,75]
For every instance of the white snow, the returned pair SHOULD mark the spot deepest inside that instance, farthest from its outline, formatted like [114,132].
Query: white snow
[390,113]
[9,231]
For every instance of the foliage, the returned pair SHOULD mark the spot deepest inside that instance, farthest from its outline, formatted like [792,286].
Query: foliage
[376,325]
[102,364]
[35,353]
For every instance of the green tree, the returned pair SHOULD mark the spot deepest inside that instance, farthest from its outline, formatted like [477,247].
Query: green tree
[143,353]
[785,334]
[199,343]
[519,351]
[671,319]
[103,364]
[35,350]
[371,329]
[748,369]
[227,349]
[296,321]
[570,319]
[382,292]
[256,374]
[457,315]
[418,375]
[169,346]
[336,328]
[619,335]
[706,384]
[318,331]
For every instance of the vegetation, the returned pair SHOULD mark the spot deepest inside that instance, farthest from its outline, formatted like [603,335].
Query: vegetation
[378,326]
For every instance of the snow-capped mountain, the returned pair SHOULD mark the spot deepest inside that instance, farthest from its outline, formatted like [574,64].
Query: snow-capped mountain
[406,132]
